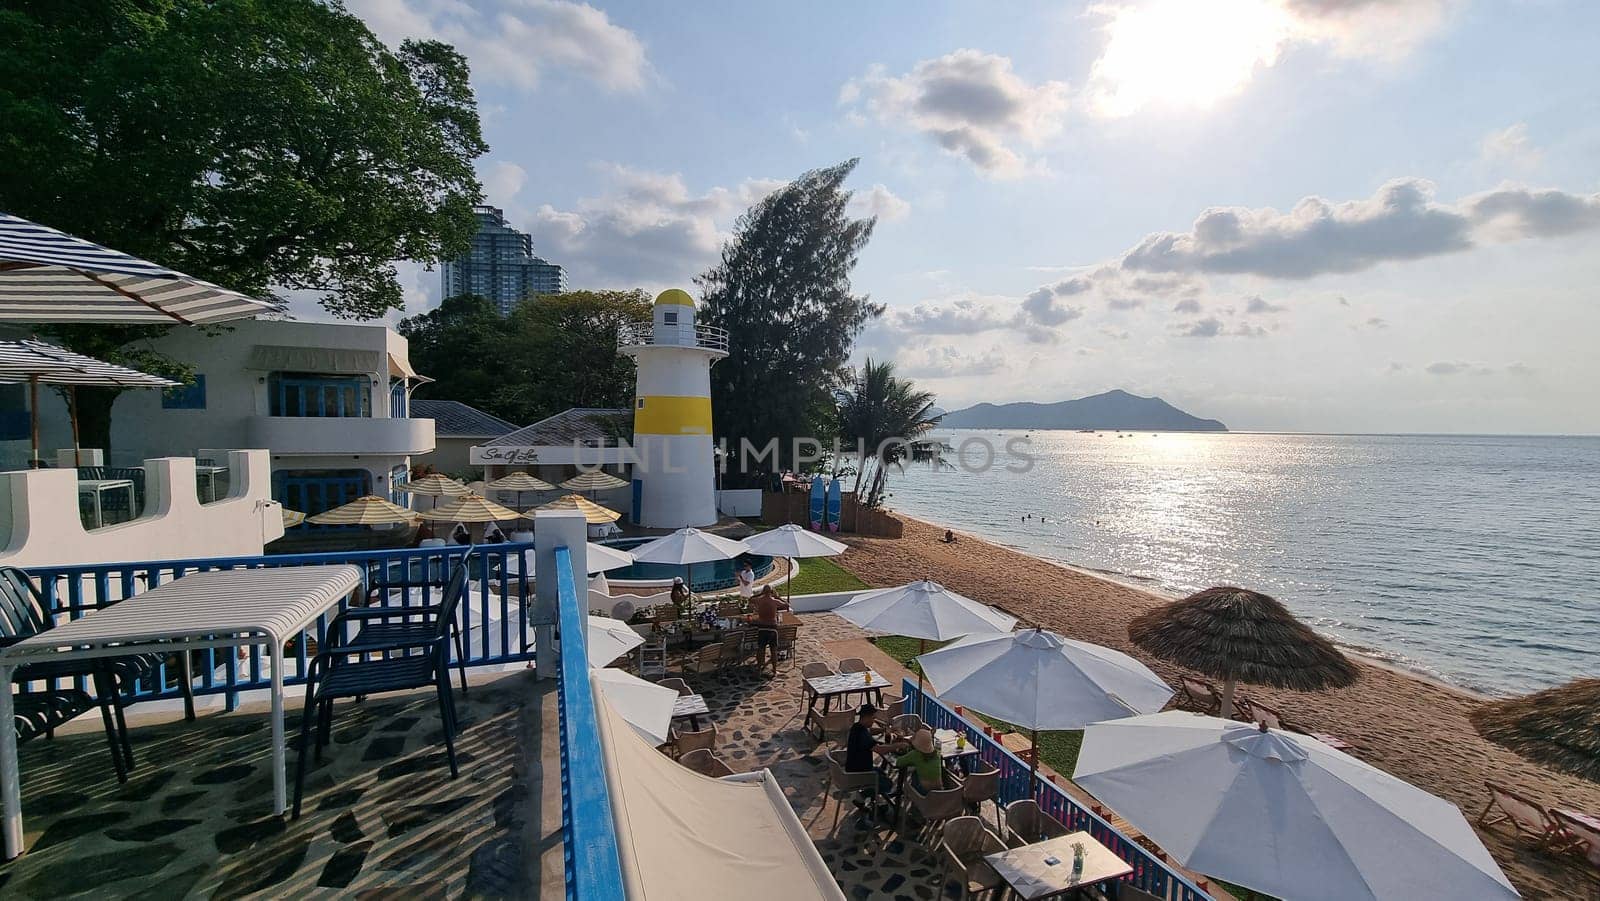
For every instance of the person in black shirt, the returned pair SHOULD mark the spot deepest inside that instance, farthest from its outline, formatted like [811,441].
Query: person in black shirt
[859,744]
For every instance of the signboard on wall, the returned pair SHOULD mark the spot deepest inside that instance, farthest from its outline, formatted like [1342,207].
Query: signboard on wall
[562,455]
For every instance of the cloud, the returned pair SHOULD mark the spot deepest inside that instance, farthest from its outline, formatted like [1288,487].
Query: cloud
[961,316]
[1510,146]
[1041,307]
[879,201]
[1214,327]
[1377,322]
[968,102]
[1447,368]
[1185,53]
[1187,305]
[514,42]
[647,229]
[1257,305]
[1401,221]
[944,361]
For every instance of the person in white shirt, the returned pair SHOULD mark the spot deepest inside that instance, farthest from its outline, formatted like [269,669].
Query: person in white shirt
[747,580]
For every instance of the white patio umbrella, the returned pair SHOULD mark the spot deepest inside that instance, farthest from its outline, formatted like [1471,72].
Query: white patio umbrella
[609,639]
[600,558]
[790,540]
[1282,813]
[689,546]
[926,611]
[645,706]
[1039,680]
[50,276]
[34,362]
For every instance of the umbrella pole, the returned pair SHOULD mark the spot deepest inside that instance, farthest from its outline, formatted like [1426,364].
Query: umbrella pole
[33,389]
[1033,762]
[1227,699]
[922,646]
[72,414]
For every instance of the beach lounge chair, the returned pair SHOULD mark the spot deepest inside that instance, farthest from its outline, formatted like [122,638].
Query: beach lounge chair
[706,763]
[1526,817]
[1198,694]
[966,841]
[1026,823]
[1579,837]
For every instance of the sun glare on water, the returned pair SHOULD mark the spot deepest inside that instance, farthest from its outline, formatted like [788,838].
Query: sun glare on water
[1184,52]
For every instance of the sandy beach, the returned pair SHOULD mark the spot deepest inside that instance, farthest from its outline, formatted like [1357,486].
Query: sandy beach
[1412,727]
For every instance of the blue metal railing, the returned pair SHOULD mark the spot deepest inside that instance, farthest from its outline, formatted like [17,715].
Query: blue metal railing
[492,624]
[588,831]
[1149,872]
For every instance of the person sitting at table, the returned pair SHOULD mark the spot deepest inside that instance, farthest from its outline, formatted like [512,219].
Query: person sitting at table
[767,607]
[861,748]
[924,761]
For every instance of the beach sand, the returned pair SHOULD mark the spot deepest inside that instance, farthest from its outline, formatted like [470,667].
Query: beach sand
[1412,727]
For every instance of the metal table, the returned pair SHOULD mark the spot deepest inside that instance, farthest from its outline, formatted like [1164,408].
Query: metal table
[94,488]
[829,687]
[229,608]
[691,707]
[1025,871]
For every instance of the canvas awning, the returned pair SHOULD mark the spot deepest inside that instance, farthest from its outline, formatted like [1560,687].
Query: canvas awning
[685,836]
[320,360]
[400,368]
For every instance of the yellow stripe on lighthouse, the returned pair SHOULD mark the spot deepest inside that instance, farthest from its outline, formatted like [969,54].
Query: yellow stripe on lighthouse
[667,415]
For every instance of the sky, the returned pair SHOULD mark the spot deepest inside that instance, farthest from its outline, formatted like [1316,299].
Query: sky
[1299,215]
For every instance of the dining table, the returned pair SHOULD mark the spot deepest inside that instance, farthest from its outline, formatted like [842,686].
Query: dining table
[1047,869]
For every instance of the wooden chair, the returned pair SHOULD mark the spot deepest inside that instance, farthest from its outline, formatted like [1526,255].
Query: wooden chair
[732,651]
[835,725]
[705,661]
[844,783]
[906,725]
[730,609]
[706,763]
[788,638]
[1026,823]
[935,807]
[1526,817]
[961,851]
[704,740]
[980,786]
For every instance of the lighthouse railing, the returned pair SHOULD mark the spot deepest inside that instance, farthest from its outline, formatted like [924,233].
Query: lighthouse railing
[706,337]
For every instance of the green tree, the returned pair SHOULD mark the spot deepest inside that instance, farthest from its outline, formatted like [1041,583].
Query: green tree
[457,344]
[782,290]
[264,145]
[553,352]
[563,353]
[883,414]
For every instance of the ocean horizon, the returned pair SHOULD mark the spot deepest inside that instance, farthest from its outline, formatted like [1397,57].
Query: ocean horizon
[1471,559]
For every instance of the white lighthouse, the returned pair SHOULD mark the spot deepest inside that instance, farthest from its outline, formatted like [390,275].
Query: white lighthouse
[674,476]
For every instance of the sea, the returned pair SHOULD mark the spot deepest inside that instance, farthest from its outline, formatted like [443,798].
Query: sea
[1474,560]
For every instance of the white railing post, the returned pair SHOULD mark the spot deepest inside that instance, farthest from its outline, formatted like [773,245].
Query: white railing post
[553,529]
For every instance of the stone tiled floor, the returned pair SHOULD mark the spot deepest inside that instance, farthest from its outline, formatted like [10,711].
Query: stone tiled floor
[381,814]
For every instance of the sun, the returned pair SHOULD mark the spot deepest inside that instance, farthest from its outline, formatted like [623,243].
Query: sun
[1184,53]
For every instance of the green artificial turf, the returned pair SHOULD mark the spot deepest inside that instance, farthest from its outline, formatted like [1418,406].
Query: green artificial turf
[819,575]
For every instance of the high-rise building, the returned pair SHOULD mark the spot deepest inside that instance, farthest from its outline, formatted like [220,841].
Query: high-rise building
[500,265]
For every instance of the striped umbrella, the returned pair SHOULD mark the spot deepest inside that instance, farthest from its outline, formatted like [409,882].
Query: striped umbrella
[365,511]
[592,481]
[593,513]
[50,276]
[470,508]
[292,518]
[519,482]
[436,485]
[37,363]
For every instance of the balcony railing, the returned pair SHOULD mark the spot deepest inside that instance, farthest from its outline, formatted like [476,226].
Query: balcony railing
[492,623]
[705,337]
[1150,873]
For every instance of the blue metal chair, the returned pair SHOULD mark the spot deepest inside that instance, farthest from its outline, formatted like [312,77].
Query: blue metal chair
[412,624]
[23,614]
[333,675]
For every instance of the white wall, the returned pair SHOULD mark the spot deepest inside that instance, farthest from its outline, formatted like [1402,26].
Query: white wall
[39,510]
[739,501]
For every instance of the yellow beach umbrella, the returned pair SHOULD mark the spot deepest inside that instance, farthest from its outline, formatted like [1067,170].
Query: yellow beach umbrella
[292,518]
[593,480]
[365,511]
[471,508]
[518,482]
[593,513]
[435,485]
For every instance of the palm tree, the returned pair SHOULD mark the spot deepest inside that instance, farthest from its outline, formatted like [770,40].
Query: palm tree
[879,409]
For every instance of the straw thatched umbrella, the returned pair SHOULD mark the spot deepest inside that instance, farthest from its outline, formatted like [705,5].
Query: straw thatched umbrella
[370,510]
[593,513]
[1238,635]
[1558,727]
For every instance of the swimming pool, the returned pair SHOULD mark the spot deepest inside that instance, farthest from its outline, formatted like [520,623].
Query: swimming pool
[712,576]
